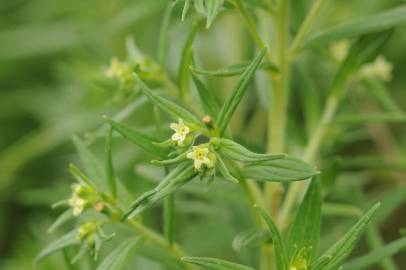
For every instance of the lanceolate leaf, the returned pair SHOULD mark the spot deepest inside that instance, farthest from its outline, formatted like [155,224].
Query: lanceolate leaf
[249,238]
[110,174]
[92,166]
[143,141]
[279,170]
[62,219]
[179,176]
[233,70]
[374,23]
[377,255]
[66,240]
[186,60]
[116,259]
[231,104]
[280,255]
[221,166]
[166,105]
[215,264]
[334,256]
[372,118]
[362,51]
[305,230]
[209,103]
[209,8]
[237,152]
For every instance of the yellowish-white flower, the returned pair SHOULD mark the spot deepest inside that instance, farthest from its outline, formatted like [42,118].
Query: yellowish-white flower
[339,50]
[117,69]
[77,204]
[200,156]
[181,131]
[380,69]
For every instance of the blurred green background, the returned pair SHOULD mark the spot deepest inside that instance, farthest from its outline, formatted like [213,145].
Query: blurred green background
[52,60]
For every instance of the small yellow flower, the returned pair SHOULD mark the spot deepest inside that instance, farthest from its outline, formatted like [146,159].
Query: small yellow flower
[181,131]
[380,68]
[200,156]
[339,50]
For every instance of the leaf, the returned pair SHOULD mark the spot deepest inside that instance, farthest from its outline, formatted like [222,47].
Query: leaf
[374,23]
[65,241]
[209,8]
[141,140]
[215,264]
[382,95]
[110,174]
[187,54]
[280,254]
[334,256]
[166,105]
[279,170]
[92,166]
[237,152]
[370,163]
[371,118]
[80,176]
[210,105]
[179,176]
[231,104]
[377,255]
[233,70]
[116,258]
[340,209]
[221,166]
[362,51]
[249,238]
[305,230]
[62,219]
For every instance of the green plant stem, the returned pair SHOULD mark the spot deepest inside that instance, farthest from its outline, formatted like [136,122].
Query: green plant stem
[305,27]
[296,189]
[277,111]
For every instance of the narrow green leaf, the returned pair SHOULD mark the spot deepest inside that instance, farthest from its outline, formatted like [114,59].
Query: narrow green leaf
[249,238]
[141,140]
[187,53]
[163,34]
[179,176]
[335,255]
[62,219]
[166,105]
[365,49]
[231,104]
[233,70]
[209,8]
[110,174]
[279,170]
[215,264]
[377,255]
[370,163]
[305,230]
[221,166]
[374,23]
[115,260]
[66,240]
[92,166]
[80,176]
[280,254]
[341,209]
[210,105]
[237,152]
[169,218]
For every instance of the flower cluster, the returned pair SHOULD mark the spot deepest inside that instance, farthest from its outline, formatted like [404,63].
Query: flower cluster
[83,196]
[380,69]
